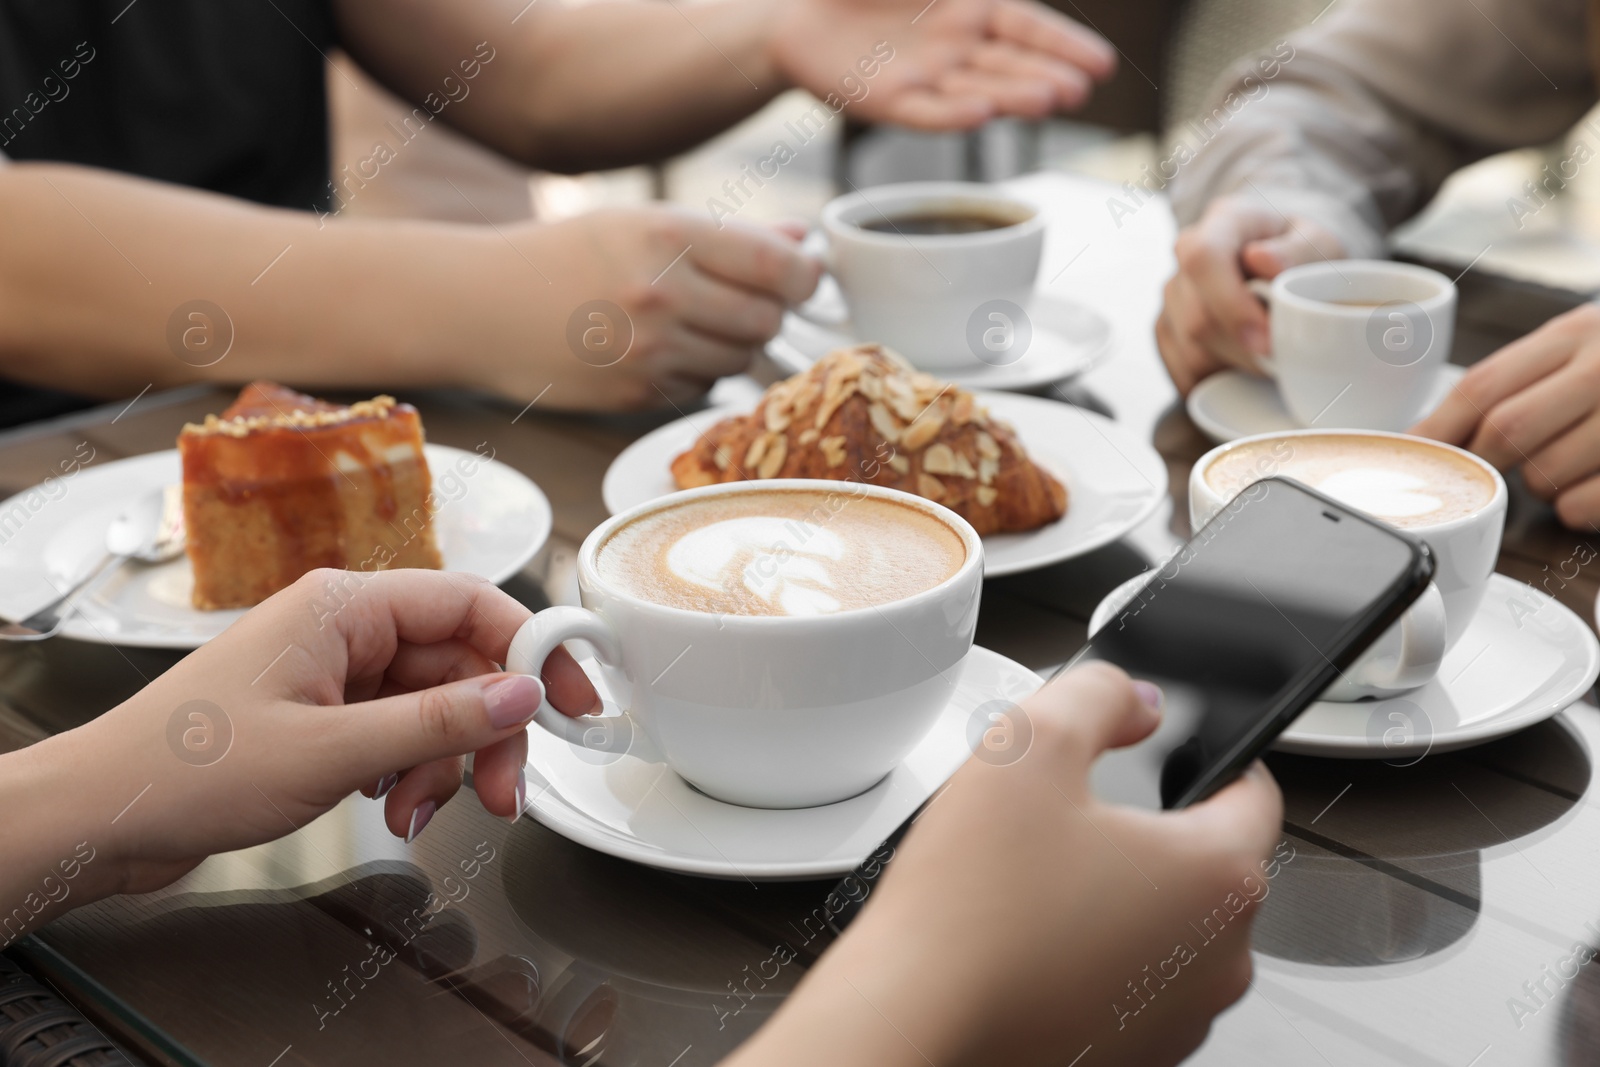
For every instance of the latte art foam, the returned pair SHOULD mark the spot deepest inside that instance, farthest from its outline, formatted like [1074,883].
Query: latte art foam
[787,552]
[1408,483]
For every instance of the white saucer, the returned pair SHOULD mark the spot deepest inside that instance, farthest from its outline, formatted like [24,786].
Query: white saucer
[490,522]
[1068,339]
[636,808]
[1114,480]
[1231,404]
[1524,658]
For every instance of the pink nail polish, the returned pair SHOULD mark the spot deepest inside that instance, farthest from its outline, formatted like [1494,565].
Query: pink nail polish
[386,783]
[420,818]
[1150,694]
[513,700]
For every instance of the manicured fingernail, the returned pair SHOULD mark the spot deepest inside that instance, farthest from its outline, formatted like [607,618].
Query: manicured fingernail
[420,818]
[386,783]
[1149,694]
[512,700]
[522,796]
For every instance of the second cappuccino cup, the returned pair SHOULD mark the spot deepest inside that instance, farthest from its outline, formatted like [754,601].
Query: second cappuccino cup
[1447,496]
[783,643]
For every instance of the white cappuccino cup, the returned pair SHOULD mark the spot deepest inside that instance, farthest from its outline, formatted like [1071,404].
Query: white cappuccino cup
[805,706]
[1395,478]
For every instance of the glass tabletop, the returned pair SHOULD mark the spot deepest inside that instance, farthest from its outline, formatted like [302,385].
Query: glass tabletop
[1425,912]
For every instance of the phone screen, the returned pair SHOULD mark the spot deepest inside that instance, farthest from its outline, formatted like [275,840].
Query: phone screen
[1243,628]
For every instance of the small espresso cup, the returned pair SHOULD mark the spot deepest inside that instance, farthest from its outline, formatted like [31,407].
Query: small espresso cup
[768,711]
[944,300]
[1358,343]
[1465,550]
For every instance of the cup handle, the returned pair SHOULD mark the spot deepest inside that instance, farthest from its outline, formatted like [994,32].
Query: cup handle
[539,637]
[1407,655]
[816,243]
[1261,289]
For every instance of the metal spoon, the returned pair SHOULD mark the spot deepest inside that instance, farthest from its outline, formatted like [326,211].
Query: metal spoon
[150,531]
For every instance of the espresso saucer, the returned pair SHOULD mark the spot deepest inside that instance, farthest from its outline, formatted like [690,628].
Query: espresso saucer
[1068,339]
[1231,404]
[1114,479]
[631,805]
[1524,658]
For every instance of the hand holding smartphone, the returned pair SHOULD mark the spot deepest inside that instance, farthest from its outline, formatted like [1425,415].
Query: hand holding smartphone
[1244,627]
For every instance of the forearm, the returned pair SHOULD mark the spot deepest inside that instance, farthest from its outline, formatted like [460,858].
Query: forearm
[52,853]
[873,1000]
[1355,121]
[96,266]
[578,88]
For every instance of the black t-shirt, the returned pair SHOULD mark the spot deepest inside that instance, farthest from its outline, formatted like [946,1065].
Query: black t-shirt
[225,95]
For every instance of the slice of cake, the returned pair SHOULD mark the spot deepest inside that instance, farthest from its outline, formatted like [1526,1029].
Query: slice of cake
[282,483]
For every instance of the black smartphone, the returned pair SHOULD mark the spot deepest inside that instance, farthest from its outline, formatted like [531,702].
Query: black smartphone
[1243,628]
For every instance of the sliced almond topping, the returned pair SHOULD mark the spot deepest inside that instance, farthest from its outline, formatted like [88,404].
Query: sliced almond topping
[809,437]
[964,466]
[987,446]
[758,448]
[986,496]
[987,469]
[831,401]
[961,413]
[773,461]
[907,407]
[846,366]
[804,397]
[871,386]
[883,422]
[899,464]
[939,459]
[895,359]
[777,414]
[929,486]
[922,431]
[721,458]
[833,450]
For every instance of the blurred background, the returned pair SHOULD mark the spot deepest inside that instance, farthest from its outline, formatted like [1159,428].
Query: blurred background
[1173,53]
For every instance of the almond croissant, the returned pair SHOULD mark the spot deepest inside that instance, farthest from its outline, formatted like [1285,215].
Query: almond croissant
[864,414]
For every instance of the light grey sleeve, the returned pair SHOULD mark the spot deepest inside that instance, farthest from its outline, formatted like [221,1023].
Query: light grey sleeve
[1356,120]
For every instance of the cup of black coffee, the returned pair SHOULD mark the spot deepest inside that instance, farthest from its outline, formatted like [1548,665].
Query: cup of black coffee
[940,271]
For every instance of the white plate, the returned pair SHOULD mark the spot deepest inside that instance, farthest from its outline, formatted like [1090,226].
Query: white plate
[1068,339]
[1523,658]
[491,522]
[1231,404]
[636,808]
[1114,480]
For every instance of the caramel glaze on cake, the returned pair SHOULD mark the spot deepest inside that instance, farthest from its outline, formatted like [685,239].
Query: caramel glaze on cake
[282,483]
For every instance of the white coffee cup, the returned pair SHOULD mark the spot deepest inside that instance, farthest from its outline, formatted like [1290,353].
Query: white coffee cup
[1358,343]
[1465,551]
[944,301]
[768,711]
